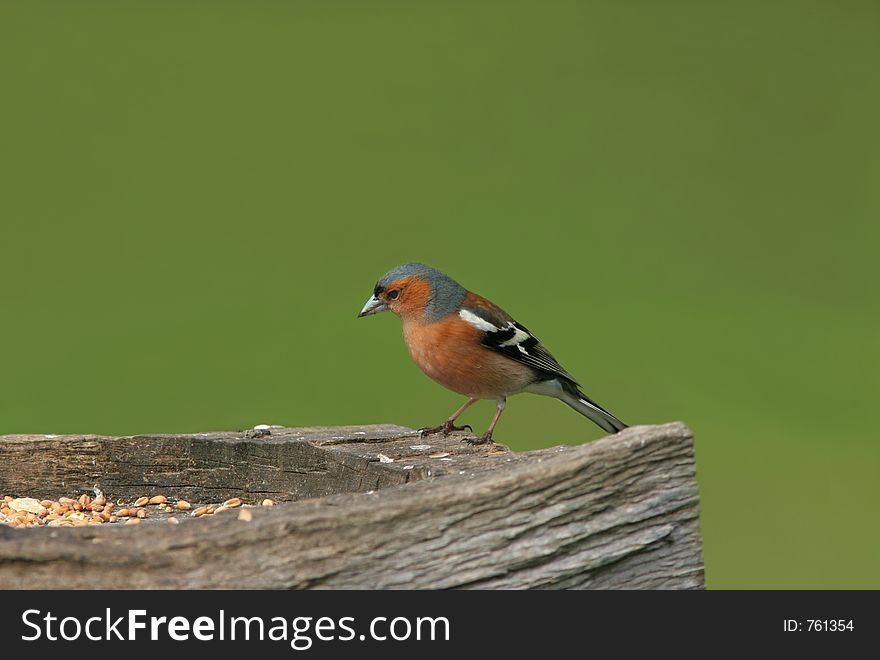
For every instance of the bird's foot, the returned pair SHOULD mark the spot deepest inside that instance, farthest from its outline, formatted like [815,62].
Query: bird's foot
[486,438]
[445,428]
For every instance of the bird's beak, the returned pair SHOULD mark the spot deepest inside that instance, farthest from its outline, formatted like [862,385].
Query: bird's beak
[373,306]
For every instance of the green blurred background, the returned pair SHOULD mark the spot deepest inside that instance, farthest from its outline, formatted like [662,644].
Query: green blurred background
[680,198]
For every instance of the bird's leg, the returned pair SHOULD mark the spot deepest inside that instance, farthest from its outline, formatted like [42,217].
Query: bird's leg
[487,436]
[449,426]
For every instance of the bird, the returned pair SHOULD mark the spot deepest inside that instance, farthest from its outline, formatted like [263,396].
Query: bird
[473,347]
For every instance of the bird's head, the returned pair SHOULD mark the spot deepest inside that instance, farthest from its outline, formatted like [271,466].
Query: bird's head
[415,292]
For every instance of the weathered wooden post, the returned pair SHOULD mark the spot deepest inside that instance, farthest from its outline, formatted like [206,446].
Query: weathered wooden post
[362,507]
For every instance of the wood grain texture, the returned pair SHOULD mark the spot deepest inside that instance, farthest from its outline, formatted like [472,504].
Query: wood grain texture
[621,512]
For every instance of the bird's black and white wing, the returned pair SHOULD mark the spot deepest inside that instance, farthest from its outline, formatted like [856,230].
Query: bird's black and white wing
[504,335]
[501,333]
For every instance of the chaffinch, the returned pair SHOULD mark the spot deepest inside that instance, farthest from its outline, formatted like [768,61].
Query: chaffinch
[473,347]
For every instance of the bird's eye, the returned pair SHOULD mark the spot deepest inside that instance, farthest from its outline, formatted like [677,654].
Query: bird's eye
[392,295]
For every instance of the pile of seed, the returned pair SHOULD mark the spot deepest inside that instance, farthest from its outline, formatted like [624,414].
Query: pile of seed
[85,510]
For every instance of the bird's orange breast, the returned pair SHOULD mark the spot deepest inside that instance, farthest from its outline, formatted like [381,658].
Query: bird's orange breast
[449,351]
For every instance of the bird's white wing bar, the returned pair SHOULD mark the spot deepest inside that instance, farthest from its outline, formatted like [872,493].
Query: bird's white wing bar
[518,339]
[478,321]
[508,335]
[513,340]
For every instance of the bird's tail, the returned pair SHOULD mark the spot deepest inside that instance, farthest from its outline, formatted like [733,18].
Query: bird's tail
[572,396]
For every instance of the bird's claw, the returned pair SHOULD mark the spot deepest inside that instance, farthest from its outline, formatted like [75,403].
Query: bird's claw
[486,438]
[445,428]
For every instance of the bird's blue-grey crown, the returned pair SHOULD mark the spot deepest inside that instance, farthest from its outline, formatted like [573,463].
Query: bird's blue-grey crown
[445,293]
